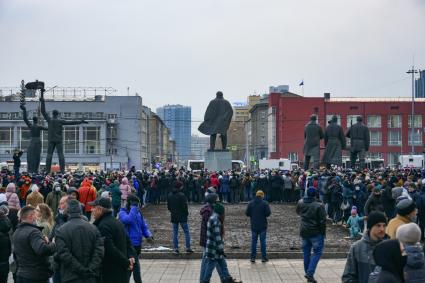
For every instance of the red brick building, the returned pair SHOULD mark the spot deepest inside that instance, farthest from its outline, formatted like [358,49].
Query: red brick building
[387,118]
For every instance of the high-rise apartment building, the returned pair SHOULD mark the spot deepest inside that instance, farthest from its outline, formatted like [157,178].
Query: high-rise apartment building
[178,119]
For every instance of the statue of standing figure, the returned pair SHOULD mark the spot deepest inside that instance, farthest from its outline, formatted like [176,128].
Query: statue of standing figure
[217,120]
[55,134]
[313,133]
[359,136]
[34,149]
[334,143]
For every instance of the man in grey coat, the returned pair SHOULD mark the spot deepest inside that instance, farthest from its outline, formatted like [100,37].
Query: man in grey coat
[360,140]
[360,262]
[313,133]
[334,142]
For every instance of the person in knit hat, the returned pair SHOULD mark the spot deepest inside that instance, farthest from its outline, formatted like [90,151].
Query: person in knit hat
[258,210]
[353,223]
[406,213]
[312,231]
[410,236]
[80,240]
[360,262]
[177,205]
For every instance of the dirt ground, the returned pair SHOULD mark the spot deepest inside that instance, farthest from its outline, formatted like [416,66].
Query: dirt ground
[282,234]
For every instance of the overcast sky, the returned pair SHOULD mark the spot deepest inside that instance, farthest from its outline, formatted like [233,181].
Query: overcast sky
[183,51]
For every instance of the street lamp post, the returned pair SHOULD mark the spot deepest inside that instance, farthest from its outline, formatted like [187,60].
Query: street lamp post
[412,122]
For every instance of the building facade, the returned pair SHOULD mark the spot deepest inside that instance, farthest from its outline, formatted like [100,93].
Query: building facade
[258,133]
[200,145]
[115,136]
[392,128]
[178,119]
[420,85]
[161,148]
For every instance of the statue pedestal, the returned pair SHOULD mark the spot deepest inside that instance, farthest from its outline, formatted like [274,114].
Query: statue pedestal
[218,160]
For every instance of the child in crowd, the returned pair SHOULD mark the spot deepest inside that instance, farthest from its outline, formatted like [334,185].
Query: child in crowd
[354,223]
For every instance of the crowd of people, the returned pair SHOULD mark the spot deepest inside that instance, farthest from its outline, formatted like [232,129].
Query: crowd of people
[47,219]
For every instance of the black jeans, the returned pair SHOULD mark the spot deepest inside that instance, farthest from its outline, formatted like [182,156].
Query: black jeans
[25,280]
[4,273]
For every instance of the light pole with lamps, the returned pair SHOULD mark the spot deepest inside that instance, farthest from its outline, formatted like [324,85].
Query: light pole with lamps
[412,122]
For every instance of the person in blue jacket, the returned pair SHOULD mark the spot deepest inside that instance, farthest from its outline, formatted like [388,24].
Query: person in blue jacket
[136,228]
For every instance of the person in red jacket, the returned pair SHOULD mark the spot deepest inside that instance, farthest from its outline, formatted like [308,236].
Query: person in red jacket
[214,182]
[87,194]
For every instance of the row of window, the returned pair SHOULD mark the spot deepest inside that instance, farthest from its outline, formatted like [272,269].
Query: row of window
[65,115]
[374,121]
[71,139]
[392,157]
[395,139]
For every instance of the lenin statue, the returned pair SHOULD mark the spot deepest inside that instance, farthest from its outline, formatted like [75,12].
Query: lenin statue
[334,143]
[313,133]
[34,149]
[55,134]
[217,120]
[360,139]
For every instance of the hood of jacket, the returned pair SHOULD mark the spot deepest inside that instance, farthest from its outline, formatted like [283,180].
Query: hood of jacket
[124,181]
[11,188]
[415,256]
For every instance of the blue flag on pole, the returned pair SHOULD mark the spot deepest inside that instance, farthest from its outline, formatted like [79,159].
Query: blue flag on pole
[302,83]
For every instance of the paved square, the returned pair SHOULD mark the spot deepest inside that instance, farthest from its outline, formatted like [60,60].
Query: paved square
[279,270]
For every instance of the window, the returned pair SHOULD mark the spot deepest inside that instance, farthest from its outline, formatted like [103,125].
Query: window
[263,114]
[375,138]
[394,137]
[417,137]
[71,140]
[24,135]
[6,136]
[293,156]
[417,121]
[351,120]
[394,121]
[91,139]
[262,140]
[4,115]
[374,155]
[67,115]
[271,129]
[374,121]
[393,158]
[329,117]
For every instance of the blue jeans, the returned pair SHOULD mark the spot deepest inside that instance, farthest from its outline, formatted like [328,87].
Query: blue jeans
[208,268]
[254,240]
[185,228]
[222,270]
[310,261]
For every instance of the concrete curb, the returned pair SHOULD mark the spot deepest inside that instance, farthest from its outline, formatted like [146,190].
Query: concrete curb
[241,255]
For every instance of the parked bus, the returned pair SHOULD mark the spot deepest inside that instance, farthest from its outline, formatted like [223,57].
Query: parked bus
[199,165]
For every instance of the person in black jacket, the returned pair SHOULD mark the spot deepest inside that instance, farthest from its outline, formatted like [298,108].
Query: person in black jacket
[5,244]
[312,231]
[17,162]
[119,256]
[79,247]
[258,210]
[391,257]
[177,205]
[31,249]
